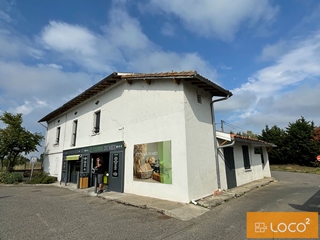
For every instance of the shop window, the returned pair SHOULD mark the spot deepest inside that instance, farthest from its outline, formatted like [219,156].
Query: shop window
[96,128]
[246,159]
[74,132]
[58,135]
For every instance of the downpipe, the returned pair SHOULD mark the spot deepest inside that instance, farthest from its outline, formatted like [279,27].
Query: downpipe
[215,138]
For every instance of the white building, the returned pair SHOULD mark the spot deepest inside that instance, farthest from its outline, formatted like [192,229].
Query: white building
[241,159]
[154,131]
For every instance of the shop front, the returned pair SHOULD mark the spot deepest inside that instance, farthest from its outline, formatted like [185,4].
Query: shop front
[78,165]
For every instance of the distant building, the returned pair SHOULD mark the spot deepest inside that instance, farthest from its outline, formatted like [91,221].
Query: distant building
[154,131]
[242,159]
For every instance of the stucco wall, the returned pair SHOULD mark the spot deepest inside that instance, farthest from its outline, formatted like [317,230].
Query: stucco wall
[266,167]
[199,142]
[52,164]
[137,113]
[243,175]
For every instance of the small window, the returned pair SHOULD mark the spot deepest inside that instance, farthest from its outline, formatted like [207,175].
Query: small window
[96,128]
[74,132]
[199,98]
[246,159]
[58,135]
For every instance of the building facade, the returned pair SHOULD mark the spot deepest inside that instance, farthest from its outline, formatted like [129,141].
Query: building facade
[242,159]
[154,132]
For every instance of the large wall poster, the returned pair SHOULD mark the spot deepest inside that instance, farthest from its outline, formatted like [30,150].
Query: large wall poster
[152,162]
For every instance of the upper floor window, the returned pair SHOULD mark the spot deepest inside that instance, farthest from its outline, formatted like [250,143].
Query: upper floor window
[246,159]
[96,128]
[199,98]
[74,132]
[58,135]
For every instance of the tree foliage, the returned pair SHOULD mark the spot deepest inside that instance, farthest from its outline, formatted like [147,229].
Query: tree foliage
[16,140]
[299,143]
[276,136]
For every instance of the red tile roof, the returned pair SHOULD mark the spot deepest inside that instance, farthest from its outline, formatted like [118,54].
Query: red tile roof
[252,140]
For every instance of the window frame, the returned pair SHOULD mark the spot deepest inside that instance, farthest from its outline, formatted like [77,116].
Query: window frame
[74,133]
[96,123]
[199,98]
[246,157]
[58,132]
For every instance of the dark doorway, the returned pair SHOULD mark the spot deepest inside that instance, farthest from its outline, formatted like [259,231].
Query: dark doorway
[230,167]
[105,157]
[74,169]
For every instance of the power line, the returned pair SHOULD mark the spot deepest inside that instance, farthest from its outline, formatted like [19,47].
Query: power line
[231,126]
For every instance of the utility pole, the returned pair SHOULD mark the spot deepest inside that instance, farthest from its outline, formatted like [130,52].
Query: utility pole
[222,125]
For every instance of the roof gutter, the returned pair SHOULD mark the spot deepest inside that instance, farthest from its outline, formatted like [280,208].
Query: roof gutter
[228,145]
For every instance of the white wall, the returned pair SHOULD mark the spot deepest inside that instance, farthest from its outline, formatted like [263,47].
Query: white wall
[256,171]
[155,113]
[137,113]
[202,178]
[52,164]
[222,170]
[266,167]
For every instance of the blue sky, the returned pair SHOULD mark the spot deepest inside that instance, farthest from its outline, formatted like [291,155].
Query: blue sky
[266,52]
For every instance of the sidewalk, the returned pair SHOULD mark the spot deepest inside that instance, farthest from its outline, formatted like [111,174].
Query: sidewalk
[182,211]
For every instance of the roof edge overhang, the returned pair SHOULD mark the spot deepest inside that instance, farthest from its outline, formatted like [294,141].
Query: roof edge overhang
[189,76]
[257,143]
[87,94]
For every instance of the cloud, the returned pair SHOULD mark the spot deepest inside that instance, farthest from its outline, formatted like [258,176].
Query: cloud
[16,46]
[273,52]
[168,29]
[27,107]
[67,59]
[63,37]
[283,91]
[4,16]
[299,63]
[224,67]
[221,18]
[121,44]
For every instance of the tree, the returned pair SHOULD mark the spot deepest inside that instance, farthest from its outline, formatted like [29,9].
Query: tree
[300,141]
[316,136]
[16,140]
[276,136]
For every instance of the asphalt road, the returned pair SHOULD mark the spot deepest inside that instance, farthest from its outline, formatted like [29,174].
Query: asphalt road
[37,212]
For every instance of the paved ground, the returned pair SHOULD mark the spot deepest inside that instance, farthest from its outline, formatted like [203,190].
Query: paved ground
[177,210]
[42,212]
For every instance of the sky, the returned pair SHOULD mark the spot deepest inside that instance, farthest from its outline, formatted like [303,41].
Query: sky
[267,53]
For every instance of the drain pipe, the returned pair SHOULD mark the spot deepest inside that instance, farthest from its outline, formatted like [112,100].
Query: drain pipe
[228,145]
[215,138]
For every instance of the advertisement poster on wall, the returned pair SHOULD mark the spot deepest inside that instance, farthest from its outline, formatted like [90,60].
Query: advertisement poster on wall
[152,162]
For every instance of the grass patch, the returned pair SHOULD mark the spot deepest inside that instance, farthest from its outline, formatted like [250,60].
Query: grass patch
[295,168]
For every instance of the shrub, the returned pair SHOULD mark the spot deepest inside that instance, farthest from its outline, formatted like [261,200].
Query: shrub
[10,177]
[41,178]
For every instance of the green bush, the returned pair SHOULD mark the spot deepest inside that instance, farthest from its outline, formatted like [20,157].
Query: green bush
[41,178]
[10,177]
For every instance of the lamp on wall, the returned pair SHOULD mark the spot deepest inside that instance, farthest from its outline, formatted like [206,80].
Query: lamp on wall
[97,102]
[75,113]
